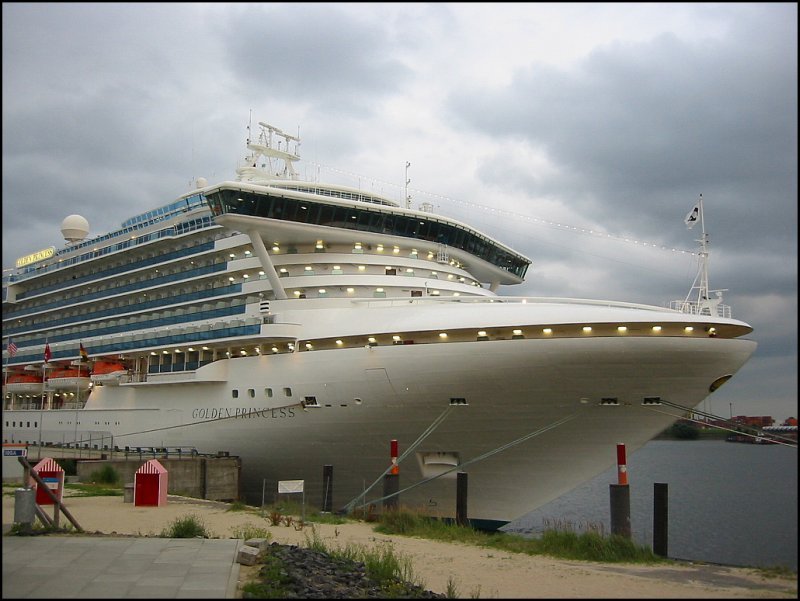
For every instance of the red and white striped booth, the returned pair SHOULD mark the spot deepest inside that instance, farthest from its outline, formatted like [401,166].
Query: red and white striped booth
[150,485]
[53,476]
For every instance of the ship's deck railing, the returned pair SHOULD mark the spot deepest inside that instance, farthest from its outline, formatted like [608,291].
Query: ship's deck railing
[694,308]
[507,300]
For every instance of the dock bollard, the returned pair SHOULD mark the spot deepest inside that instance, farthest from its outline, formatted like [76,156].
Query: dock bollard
[461,499]
[660,518]
[621,510]
[621,497]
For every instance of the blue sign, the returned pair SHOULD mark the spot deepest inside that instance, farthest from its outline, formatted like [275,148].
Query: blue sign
[15,452]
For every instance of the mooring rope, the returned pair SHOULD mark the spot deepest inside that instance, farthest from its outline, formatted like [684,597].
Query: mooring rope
[461,466]
[777,439]
[428,431]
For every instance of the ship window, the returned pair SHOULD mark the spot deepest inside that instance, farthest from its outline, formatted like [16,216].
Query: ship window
[268,392]
[235,393]
[310,401]
[251,392]
[391,271]
[287,391]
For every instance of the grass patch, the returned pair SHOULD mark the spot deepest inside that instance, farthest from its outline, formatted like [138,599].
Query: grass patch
[189,526]
[238,506]
[91,489]
[272,581]
[276,514]
[778,572]
[559,540]
[105,475]
[249,531]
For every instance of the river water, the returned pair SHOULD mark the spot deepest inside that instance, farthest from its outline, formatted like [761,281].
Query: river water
[729,503]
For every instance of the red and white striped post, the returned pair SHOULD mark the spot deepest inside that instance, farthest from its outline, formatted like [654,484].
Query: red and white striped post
[395,468]
[391,481]
[621,497]
[622,465]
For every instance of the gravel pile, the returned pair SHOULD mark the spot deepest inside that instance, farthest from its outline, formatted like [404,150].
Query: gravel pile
[302,573]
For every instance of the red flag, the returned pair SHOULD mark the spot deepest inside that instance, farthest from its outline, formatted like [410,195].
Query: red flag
[12,348]
[84,354]
[47,353]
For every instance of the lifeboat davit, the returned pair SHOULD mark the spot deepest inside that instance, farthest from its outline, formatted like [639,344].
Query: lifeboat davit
[69,379]
[108,372]
[20,383]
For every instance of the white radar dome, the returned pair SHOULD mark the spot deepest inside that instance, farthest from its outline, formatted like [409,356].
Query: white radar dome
[201,182]
[74,228]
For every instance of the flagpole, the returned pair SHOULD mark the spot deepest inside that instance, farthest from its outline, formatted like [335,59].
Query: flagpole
[44,393]
[703,293]
[5,369]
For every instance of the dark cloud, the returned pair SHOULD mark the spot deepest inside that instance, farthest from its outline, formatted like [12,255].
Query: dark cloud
[639,130]
[315,54]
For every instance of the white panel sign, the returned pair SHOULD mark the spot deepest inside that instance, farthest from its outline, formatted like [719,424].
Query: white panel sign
[286,486]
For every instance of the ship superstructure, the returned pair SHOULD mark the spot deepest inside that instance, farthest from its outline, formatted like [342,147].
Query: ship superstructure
[300,324]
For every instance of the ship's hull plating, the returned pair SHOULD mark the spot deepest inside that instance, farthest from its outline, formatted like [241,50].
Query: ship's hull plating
[491,394]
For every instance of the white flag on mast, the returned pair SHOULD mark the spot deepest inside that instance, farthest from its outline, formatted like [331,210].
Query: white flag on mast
[692,216]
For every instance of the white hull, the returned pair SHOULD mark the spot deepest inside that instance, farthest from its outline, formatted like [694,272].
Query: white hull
[513,388]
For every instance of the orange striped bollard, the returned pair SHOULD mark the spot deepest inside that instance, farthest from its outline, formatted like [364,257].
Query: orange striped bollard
[622,465]
[395,468]
[621,497]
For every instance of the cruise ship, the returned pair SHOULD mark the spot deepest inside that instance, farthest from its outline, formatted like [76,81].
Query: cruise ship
[300,325]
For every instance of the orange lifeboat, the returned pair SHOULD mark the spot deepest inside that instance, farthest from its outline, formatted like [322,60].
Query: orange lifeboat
[69,378]
[108,371]
[24,383]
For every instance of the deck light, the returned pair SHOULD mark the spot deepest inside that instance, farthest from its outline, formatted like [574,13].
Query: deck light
[396,338]
[339,343]
[587,329]
[362,267]
[274,349]
[622,329]
[688,329]
[350,290]
[276,248]
[656,328]
[308,345]
[443,335]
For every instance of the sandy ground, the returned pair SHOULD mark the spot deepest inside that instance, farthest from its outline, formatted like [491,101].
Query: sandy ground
[476,572]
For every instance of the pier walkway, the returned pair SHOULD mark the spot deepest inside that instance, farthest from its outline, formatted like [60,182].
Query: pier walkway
[106,567]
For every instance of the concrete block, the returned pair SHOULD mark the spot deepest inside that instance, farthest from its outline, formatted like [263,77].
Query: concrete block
[262,544]
[248,556]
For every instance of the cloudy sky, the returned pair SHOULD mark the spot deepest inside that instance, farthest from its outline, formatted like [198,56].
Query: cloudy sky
[578,134]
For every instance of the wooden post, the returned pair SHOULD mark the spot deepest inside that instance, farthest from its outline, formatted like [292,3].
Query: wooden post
[621,510]
[327,488]
[660,518]
[461,499]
